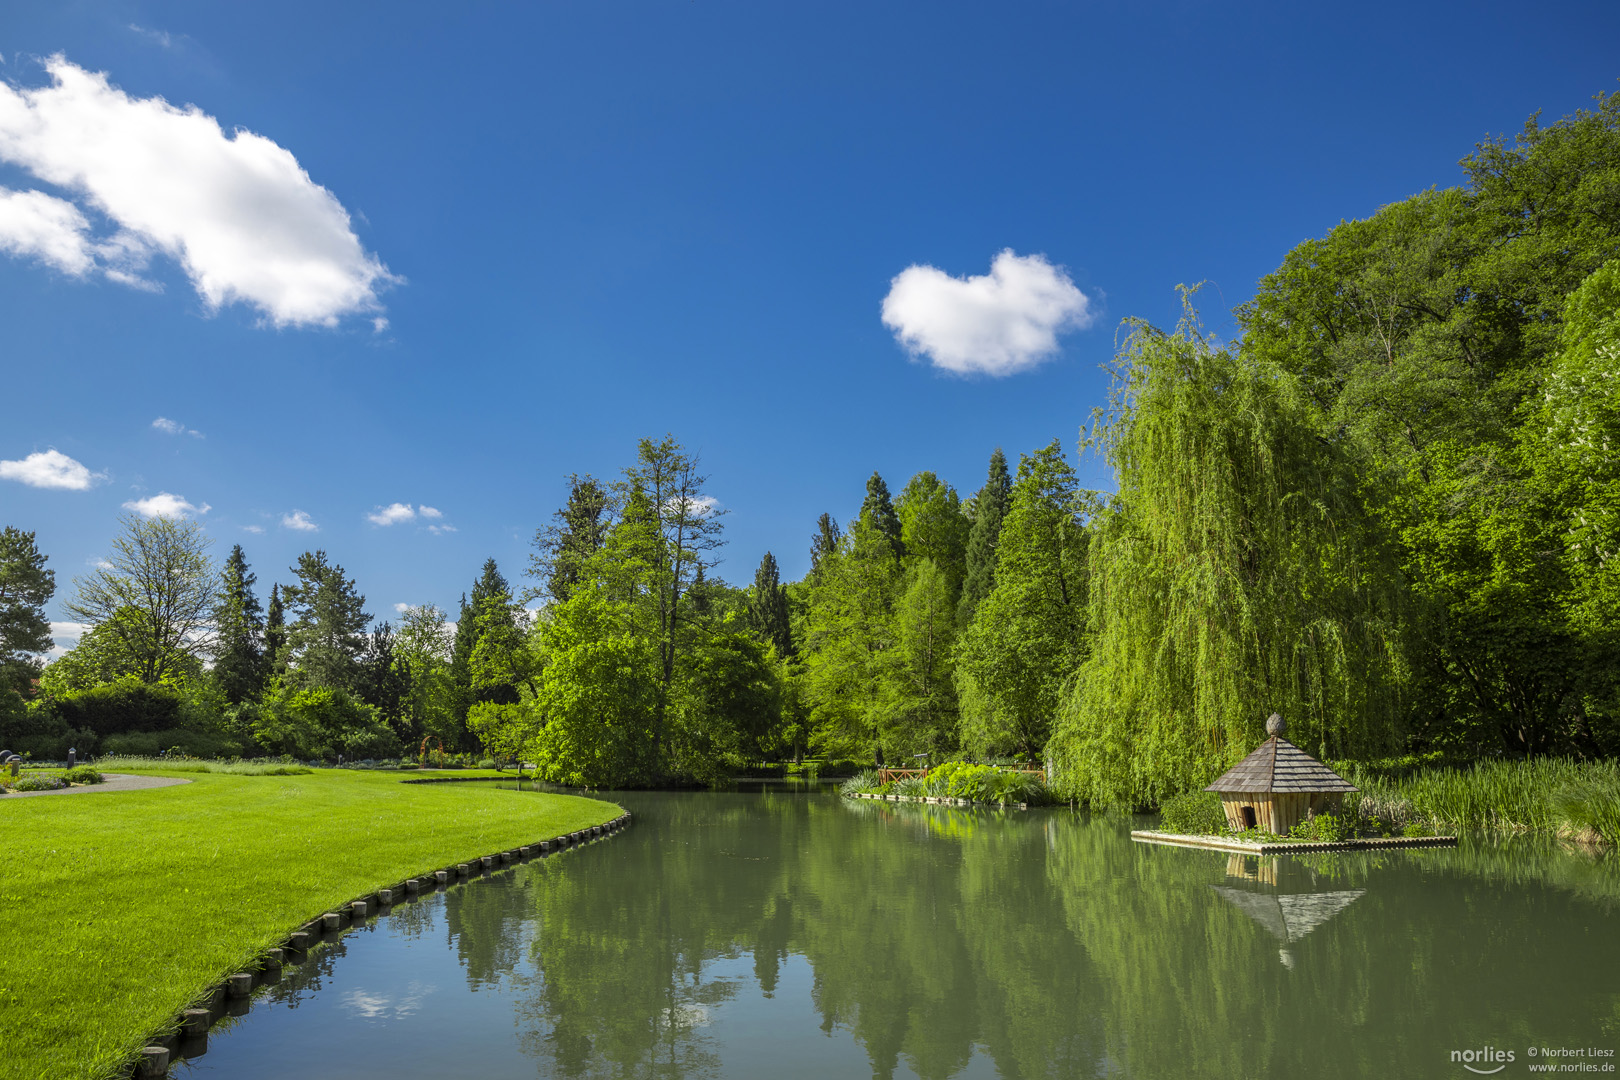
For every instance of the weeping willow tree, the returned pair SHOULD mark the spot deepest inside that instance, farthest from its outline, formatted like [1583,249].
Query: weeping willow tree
[1234,574]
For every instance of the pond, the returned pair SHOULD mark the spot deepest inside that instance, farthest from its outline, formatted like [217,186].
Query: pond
[786,933]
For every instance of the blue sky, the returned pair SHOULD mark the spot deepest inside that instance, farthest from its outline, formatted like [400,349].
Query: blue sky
[530,234]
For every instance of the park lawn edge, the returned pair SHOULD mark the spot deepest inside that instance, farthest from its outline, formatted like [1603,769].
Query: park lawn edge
[129,906]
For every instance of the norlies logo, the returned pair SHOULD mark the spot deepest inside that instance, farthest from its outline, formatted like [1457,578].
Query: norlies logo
[1485,1055]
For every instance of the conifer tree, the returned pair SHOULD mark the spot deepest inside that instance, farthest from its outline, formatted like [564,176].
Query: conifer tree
[25,587]
[325,640]
[488,611]
[239,632]
[275,634]
[823,543]
[576,533]
[990,508]
[768,607]
[878,509]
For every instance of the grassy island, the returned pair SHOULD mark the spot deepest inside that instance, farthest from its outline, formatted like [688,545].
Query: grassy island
[125,906]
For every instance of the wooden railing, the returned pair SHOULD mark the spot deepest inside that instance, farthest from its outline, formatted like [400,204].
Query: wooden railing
[887,775]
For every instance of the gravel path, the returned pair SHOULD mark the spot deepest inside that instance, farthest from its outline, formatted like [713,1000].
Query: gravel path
[115,782]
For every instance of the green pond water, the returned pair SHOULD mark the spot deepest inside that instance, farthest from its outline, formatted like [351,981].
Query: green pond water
[791,933]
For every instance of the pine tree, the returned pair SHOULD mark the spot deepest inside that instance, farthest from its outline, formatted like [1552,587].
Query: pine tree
[275,635]
[768,607]
[325,640]
[385,681]
[489,610]
[878,509]
[25,588]
[239,628]
[823,543]
[990,508]
[563,548]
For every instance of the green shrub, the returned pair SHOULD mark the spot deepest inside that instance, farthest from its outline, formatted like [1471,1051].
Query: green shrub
[1329,828]
[38,782]
[1194,813]
[202,744]
[83,774]
[127,705]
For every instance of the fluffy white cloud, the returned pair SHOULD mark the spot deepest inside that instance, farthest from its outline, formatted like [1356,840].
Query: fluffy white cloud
[175,427]
[298,520]
[429,512]
[253,528]
[402,608]
[65,635]
[165,505]
[998,323]
[49,469]
[236,211]
[440,530]
[392,514]
[52,230]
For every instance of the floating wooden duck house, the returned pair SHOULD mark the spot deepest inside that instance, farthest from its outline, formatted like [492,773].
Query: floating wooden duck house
[1275,787]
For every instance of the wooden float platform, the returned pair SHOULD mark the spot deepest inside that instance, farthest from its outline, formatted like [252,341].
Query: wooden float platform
[1287,847]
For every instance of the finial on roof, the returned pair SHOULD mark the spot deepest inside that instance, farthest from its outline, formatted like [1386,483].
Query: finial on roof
[1276,725]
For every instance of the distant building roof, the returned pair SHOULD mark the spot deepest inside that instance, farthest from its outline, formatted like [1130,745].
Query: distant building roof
[1279,765]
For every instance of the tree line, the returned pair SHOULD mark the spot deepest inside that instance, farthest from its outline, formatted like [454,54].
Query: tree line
[1388,508]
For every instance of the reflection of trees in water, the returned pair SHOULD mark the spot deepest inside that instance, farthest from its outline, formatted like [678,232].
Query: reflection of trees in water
[958,957]
[1048,943]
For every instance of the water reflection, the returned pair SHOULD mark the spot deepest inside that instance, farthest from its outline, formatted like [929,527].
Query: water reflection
[1283,904]
[792,934]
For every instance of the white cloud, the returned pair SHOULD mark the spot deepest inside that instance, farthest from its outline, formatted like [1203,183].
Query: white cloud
[253,528]
[298,520]
[52,230]
[165,505]
[392,514]
[50,469]
[998,323]
[175,427]
[65,635]
[402,608]
[236,211]
[440,530]
[429,512]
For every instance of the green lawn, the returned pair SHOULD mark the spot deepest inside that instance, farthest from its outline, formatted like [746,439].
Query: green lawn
[120,908]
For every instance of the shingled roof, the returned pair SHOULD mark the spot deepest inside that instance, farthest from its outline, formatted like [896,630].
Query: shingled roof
[1279,765]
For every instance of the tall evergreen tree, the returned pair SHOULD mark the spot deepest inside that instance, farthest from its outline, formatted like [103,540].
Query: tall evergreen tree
[328,634]
[384,681]
[989,510]
[489,610]
[25,588]
[823,543]
[239,667]
[275,634]
[576,533]
[768,607]
[878,509]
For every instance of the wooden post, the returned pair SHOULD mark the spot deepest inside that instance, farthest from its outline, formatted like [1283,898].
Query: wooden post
[239,985]
[300,940]
[194,1022]
[154,1061]
[385,897]
[331,921]
[441,876]
[358,910]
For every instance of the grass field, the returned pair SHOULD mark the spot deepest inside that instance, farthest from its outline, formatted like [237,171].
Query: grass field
[120,908]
